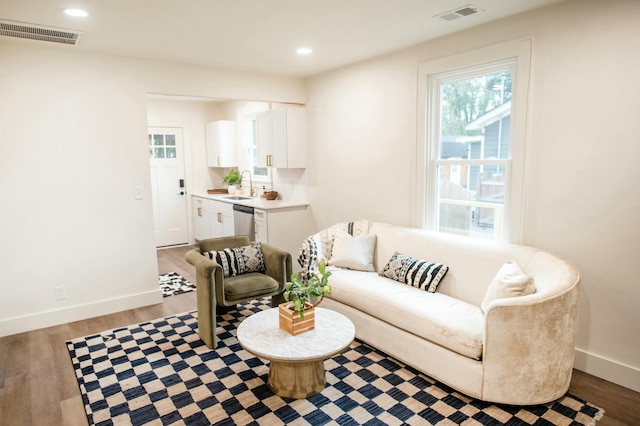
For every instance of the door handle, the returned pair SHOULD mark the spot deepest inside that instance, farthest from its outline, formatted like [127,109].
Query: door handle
[181,193]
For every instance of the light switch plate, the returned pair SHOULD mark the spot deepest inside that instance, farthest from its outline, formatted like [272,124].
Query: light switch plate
[137,193]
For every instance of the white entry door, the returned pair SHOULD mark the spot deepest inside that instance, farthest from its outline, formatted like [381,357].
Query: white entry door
[168,187]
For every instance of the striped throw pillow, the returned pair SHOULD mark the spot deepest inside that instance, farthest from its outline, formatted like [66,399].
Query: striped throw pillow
[415,272]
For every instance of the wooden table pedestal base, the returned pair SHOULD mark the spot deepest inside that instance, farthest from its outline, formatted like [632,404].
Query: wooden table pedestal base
[297,380]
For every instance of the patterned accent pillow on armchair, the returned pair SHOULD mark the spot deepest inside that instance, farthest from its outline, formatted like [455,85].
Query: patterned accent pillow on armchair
[239,260]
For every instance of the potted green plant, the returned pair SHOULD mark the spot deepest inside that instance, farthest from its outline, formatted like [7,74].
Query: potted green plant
[232,179]
[297,314]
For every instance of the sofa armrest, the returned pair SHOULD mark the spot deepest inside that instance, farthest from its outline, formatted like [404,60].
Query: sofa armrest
[278,264]
[529,347]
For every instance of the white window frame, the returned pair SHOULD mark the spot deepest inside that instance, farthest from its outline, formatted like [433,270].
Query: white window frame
[251,146]
[430,75]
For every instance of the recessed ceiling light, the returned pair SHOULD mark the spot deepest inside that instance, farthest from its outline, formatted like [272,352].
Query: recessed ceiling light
[304,51]
[76,13]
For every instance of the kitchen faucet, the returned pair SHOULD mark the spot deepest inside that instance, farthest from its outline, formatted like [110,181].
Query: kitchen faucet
[252,192]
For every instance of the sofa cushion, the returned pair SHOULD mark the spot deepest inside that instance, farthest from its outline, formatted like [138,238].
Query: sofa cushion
[441,319]
[353,252]
[239,260]
[417,273]
[509,281]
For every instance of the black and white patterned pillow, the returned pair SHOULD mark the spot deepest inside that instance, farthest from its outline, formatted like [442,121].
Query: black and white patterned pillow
[417,273]
[239,260]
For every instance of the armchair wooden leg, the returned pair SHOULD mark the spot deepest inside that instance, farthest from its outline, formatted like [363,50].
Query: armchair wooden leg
[220,310]
[276,300]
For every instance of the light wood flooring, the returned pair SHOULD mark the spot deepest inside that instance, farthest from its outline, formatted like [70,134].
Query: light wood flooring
[38,385]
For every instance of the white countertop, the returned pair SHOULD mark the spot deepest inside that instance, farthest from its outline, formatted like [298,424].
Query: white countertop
[256,202]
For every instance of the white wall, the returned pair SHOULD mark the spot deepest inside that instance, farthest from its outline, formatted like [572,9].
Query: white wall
[582,194]
[73,132]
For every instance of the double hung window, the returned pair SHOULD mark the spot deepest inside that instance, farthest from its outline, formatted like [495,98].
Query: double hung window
[471,162]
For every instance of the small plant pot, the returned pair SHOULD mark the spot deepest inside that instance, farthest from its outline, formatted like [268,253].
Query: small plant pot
[291,322]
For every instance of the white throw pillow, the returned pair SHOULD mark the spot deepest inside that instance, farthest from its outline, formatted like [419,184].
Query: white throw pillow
[510,281]
[353,252]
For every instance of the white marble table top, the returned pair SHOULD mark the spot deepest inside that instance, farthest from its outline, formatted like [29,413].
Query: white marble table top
[261,335]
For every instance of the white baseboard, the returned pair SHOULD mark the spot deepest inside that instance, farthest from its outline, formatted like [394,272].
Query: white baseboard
[76,313]
[607,369]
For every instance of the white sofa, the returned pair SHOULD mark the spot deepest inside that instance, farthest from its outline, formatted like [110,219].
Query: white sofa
[518,351]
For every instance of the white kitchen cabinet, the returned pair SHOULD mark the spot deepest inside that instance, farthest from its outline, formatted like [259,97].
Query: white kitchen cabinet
[200,218]
[284,228]
[282,138]
[220,219]
[222,148]
[211,218]
[260,218]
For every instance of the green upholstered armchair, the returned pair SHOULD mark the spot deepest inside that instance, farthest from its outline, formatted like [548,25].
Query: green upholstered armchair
[214,290]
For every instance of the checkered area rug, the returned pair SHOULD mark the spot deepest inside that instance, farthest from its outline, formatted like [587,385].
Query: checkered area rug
[161,373]
[173,283]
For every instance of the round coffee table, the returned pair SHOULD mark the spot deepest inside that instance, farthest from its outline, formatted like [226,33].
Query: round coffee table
[296,362]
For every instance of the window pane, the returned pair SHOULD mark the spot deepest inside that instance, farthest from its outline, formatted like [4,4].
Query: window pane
[170,140]
[158,140]
[158,153]
[253,150]
[171,152]
[475,117]
[470,200]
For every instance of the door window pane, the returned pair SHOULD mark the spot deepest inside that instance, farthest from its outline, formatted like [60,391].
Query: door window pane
[162,146]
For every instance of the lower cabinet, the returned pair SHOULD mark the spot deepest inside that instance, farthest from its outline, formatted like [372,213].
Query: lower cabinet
[211,219]
[200,218]
[284,228]
[220,219]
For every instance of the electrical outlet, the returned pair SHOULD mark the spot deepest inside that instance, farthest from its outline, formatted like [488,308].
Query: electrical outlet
[60,292]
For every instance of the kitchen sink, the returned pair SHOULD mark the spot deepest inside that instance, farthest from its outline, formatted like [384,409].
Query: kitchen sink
[237,197]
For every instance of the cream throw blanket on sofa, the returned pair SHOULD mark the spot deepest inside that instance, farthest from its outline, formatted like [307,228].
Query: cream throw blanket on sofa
[319,246]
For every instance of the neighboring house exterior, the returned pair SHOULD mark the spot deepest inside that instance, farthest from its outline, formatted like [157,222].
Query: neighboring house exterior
[476,183]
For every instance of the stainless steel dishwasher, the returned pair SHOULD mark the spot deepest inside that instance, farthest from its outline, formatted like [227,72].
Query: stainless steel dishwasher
[243,221]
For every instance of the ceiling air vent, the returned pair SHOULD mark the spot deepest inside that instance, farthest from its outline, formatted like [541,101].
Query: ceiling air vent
[459,12]
[26,31]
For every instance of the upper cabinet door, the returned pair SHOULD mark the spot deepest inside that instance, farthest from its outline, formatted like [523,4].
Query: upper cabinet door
[282,138]
[222,148]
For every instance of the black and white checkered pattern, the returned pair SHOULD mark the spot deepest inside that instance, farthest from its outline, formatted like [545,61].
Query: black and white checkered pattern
[161,373]
[173,283]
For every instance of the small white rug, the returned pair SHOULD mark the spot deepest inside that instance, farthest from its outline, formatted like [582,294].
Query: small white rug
[173,283]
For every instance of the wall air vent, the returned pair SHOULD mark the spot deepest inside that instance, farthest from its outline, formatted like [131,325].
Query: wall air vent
[27,31]
[459,12]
